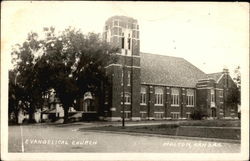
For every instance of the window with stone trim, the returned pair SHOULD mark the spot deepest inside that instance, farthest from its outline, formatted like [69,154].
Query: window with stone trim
[122,78]
[175,115]
[129,43]
[220,93]
[129,78]
[115,31]
[143,114]
[158,115]
[212,96]
[123,41]
[127,114]
[143,96]
[190,97]
[188,115]
[127,98]
[158,96]
[175,97]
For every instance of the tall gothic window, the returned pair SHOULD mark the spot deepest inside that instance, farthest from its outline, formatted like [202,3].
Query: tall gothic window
[175,97]
[190,97]
[158,96]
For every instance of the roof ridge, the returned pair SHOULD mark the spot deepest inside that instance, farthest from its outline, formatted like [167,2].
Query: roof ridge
[161,55]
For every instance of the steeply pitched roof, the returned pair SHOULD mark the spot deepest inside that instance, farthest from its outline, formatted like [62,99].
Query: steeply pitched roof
[168,70]
[215,76]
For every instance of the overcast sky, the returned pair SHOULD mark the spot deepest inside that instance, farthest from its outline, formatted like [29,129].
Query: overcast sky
[209,35]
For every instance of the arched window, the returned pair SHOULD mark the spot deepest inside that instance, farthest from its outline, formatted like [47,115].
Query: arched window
[158,96]
[127,98]
[190,97]
[143,96]
[175,96]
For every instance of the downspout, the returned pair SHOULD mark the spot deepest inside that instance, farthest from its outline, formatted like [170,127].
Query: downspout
[131,77]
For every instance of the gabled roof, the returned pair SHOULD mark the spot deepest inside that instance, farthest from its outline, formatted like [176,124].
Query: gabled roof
[215,76]
[168,70]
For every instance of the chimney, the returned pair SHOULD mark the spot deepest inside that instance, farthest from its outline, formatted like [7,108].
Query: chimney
[225,71]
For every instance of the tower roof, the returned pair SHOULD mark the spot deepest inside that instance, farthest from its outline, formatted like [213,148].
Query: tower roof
[123,18]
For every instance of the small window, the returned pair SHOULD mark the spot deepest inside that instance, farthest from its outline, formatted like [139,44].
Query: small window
[123,40]
[133,34]
[129,78]
[122,78]
[212,96]
[129,43]
[106,99]
[127,114]
[143,95]
[143,114]
[188,115]
[220,93]
[175,115]
[116,31]
[127,98]
[120,31]
[158,115]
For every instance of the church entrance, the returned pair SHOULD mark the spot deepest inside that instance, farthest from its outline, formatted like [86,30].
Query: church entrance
[89,107]
[213,112]
[89,103]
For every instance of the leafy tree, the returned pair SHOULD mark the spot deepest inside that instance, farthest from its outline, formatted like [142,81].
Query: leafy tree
[15,93]
[69,62]
[26,88]
[236,96]
[237,77]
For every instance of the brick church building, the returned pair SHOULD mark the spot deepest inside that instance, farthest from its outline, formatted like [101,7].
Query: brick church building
[158,87]
[150,86]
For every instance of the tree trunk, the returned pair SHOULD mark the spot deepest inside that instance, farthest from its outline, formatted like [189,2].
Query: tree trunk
[16,116]
[66,114]
[31,113]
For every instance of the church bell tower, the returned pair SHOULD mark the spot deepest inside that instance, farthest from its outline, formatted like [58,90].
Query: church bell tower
[123,32]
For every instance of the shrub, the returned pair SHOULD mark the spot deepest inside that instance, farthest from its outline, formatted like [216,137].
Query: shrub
[168,126]
[239,115]
[25,121]
[197,115]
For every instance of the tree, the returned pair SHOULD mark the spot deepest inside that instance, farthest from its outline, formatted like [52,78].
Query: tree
[15,94]
[237,90]
[69,62]
[237,77]
[26,88]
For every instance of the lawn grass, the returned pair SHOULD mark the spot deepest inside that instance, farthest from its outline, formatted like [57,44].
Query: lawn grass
[212,123]
[204,128]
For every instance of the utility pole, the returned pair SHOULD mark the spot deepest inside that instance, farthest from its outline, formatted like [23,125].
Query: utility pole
[123,93]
